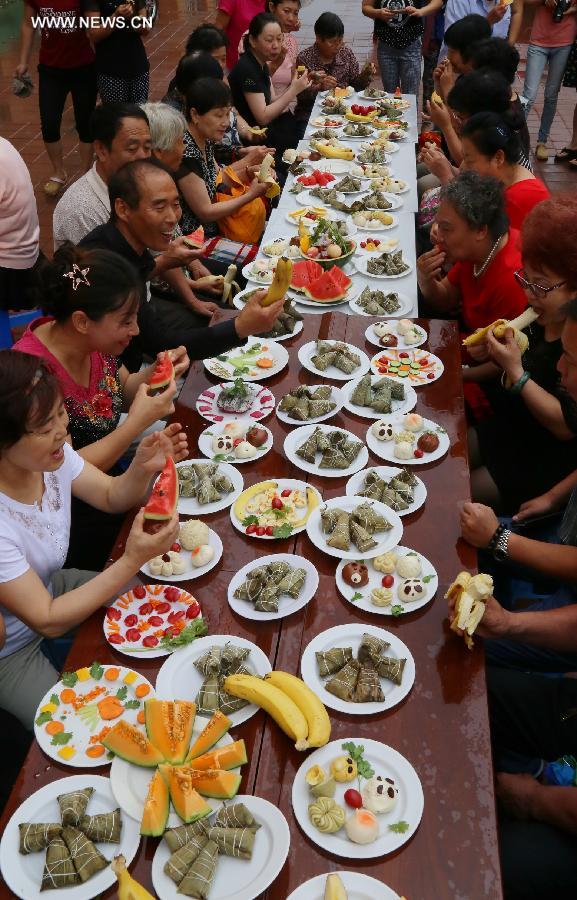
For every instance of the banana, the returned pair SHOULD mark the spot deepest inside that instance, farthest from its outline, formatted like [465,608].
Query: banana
[319,724]
[333,152]
[128,888]
[500,326]
[436,98]
[280,283]
[313,502]
[229,285]
[305,238]
[275,702]
[265,175]
[258,131]
[355,117]
[240,505]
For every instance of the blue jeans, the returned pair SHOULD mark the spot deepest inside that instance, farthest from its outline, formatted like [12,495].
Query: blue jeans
[400,67]
[537,59]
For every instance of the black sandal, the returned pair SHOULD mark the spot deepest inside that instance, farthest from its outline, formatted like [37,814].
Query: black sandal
[566,155]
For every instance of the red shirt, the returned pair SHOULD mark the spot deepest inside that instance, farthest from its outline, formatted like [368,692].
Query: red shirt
[62,44]
[520,199]
[496,294]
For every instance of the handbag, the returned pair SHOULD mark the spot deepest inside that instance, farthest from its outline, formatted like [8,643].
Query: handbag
[246,225]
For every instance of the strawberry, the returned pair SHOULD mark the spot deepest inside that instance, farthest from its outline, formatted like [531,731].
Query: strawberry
[176,548]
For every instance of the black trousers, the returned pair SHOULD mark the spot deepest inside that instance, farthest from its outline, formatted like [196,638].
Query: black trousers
[54,85]
[538,861]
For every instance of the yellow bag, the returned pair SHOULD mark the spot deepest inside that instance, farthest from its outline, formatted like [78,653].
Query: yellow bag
[246,225]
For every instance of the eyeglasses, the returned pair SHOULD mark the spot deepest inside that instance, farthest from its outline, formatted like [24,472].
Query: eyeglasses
[538,290]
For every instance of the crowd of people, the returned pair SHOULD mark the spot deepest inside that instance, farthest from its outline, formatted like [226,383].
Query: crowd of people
[123,285]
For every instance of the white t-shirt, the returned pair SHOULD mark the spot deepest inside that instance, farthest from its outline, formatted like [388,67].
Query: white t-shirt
[19,230]
[36,537]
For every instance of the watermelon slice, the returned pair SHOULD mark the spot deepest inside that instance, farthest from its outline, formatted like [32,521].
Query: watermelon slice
[339,278]
[305,271]
[196,238]
[164,497]
[325,290]
[163,373]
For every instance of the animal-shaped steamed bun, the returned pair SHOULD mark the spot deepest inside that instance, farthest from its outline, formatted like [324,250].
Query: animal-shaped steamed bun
[411,589]
[409,566]
[222,443]
[383,431]
[380,329]
[379,794]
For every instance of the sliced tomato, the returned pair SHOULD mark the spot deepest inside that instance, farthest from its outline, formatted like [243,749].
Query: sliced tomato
[171,631]
[145,609]
[131,621]
[155,621]
[115,639]
[113,614]
[139,592]
[150,641]
[193,610]
[176,615]
[133,635]
[162,608]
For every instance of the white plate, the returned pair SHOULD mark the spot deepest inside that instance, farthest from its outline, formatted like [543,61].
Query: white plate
[401,345]
[337,396]
[320,121]
[267,264]
[130,783]
[205,445]
[406,307]
[191,571]
[23,873]
[80,729]
[366,412]
[361,262]
[420,376]
[393,199]
[238,879]
[357,886]
[239,303]
[358,137]
[385,449]
[350,636]
[386,762]
[306,351]
[282,484]
[222,366]
[365,96]
[179,678]
[335,166]
[356,483]
[262,406]
[375,578]
[386,540]
[287,605]
[189,506]
[298,436]
[310,223]
[403,190]
[294,250]
[376,228]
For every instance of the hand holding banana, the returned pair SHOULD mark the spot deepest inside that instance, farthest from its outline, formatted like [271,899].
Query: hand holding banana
[265,176]
[499,327]
[280,283]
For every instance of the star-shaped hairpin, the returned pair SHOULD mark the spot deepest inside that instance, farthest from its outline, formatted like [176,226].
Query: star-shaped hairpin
[78,276]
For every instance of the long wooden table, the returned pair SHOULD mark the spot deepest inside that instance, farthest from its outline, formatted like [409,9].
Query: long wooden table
[441,727]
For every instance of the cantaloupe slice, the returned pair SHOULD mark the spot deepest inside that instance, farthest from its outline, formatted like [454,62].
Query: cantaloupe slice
[215,728]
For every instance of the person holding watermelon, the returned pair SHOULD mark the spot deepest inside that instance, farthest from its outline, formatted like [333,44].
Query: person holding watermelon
[40,599]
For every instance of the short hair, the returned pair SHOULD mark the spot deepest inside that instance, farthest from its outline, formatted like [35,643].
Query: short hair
[206,94]
[329,25]
[194,66]
[480,91]
[463,34]
[497,54]
[489,132]
[125,184]
[106,120]
[479,200]
[167,125]
[206,38]
[112,282]
[549,239]
[28,391]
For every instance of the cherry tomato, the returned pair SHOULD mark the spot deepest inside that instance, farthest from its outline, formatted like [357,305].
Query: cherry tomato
[403,355]
[418,454]
[175,616]
[155,621]
[286,493]
[277,503]
[116,639]
[175,548]
[162,608]
[270,530]
[131,621]
[430,375]
[113,614]
[133,635]
[145,609]
[260,531]
[251,529]
[387,581]
[237,441]
[383,370]
[193,610]
[139,592]
[424,361]
[150,641]
[353,798]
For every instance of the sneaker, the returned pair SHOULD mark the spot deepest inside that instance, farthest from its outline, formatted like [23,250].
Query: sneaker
[541,152]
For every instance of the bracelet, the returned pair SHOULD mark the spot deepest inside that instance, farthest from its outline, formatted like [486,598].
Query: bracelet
[496,535]
[520,384]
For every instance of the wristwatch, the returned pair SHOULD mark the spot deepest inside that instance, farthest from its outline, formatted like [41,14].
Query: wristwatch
[501,548]
[496,535]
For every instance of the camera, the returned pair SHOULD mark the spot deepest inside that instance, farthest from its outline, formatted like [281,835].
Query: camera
[561,6]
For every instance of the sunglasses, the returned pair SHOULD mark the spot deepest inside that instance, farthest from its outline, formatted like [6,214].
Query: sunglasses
[538,290]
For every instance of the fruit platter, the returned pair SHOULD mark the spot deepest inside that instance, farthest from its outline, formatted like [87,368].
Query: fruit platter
[359,113]
[357,798]
[273,587]
[307,215]
[417,366]
[334,359]
[206,487]
[230,400]
[412,440]
[287,325]
[380,303]
[197,551]
[77,713]
[326,245]
[275,509]
[314,178]
[310,404]
[325,450]
[62,838]
[237,442]
[349,527]
[358,669]
[255,360]
[400,489]
[153,620]
[377,397]
[401,334]
[398,582]
[332,148]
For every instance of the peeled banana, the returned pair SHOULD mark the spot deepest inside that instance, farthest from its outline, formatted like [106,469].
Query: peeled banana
[275,702]
[229,285]
[280,283]
[333,152]
[319,724]
[128,888]
[499,327]
[469,593]
[239,507]
[258,131]
[265,175]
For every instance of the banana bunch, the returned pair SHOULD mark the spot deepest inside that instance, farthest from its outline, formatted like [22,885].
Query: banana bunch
[355,117]
[229,285]
[265,175]
[294,707]
[499,327]
[128,888]
[333,152]
[280,283]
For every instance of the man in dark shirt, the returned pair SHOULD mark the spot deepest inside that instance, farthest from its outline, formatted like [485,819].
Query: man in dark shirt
[144,211]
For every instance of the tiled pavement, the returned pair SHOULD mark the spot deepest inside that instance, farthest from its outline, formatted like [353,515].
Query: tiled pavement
[19,118]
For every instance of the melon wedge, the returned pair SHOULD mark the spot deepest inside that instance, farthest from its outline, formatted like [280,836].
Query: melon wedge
[163,374]
[169,725]
[228,757]
[215,783]
[305,271]
[187,802]
[129,743]
[196,238]
[156,807]
[325,290]
[215,728]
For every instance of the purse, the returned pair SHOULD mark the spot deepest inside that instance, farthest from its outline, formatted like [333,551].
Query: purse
[246,225]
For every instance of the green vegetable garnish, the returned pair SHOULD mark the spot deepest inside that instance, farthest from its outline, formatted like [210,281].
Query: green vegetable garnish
[122,692]
[196,629]
[399,827]
[43,718]
[356,752]
[61,738]
[356,596]
[282,531]
[69,679]
[54,699]
[96,671]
